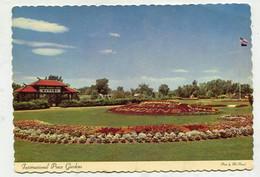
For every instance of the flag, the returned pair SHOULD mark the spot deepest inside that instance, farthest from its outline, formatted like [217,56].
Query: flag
[243,42]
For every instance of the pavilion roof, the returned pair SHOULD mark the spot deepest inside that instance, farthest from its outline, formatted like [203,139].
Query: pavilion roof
[27,89]
[70,90]
[48,83]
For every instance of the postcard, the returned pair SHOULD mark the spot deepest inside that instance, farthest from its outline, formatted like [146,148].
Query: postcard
[132,88]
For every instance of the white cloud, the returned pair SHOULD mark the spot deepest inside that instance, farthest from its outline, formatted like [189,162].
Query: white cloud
[38,25]
[107,51]
[211,71]
[163,80]
[115,34]
[48,51]
[40,44]
[180,71]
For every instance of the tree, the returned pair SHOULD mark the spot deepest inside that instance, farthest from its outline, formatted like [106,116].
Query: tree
[53,77]
[163,89]
[16,86]
[102,86]
[119,93]
[94,94]
[145,90]
[120,89]
[195,89]
[246,89]
[179,91]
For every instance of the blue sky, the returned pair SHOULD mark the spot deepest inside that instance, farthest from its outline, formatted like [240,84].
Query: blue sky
[130,45]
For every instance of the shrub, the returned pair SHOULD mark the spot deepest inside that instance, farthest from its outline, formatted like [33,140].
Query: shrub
[29,105]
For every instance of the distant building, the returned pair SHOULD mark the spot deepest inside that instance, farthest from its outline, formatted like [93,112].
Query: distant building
[138,95]
[55,89]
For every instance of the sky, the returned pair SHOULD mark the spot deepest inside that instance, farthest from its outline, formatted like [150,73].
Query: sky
[130,45]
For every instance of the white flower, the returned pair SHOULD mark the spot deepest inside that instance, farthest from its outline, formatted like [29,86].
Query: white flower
[166,134]
[92,136]
[39,131]
[142,135]
[54,136]
[109,136]
[208,132]
[149,135]
[100,136]
[17,129]
[134,135]
[83,137]
[42,135]
[126,136]
[172,135]
[158,135]
[117,135]
[181,134]
[215,131]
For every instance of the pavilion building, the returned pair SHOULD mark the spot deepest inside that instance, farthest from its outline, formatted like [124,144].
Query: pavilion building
[55,90]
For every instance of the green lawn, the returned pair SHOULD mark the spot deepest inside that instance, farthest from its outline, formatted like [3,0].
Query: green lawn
[97,116]
[224,149]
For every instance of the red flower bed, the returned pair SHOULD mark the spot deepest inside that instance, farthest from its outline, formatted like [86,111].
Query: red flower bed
[242,105]
[162,108]
[198,127]
[107,130]
[217,105]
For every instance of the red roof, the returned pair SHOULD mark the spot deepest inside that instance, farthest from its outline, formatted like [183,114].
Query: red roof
[27,89]
[70,90]
[48,83]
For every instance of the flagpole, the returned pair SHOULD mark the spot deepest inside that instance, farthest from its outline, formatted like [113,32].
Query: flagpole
[239,85]
[243,43]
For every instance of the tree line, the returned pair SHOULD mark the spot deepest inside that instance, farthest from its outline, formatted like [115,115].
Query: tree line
[215,88]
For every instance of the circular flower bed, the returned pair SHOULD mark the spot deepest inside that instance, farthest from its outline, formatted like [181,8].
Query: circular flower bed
[36,131]
[163,108]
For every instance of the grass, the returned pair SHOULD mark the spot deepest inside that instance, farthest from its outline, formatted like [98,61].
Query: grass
[223,149]
[97,116]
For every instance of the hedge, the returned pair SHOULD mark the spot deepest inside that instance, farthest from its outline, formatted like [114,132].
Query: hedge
[101,102]
[29,105]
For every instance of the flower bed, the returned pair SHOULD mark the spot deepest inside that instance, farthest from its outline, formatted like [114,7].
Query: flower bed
[163,108]
[235,100]
[217,105]
[241,105]
[36,131]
